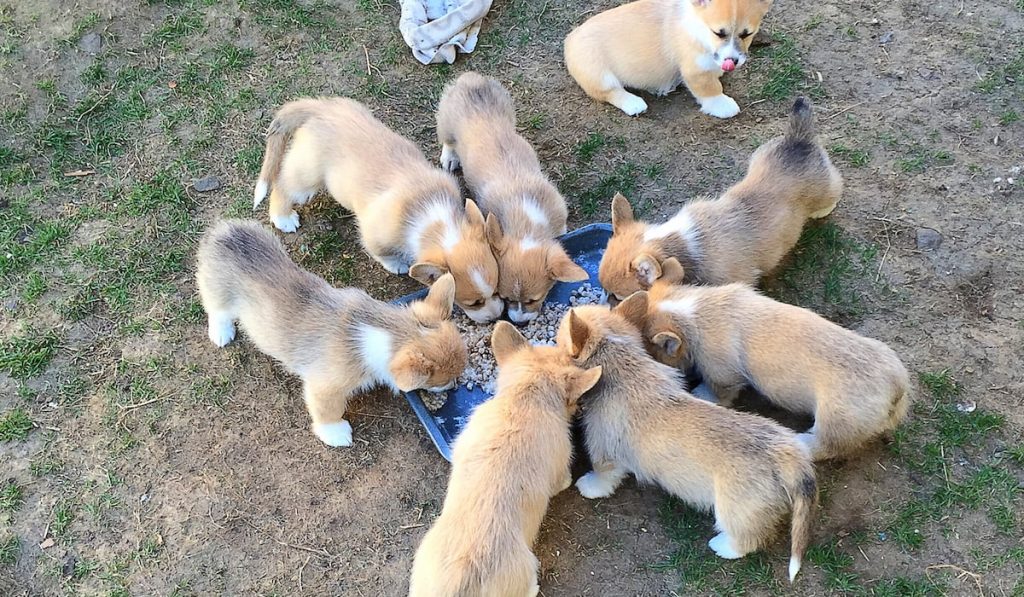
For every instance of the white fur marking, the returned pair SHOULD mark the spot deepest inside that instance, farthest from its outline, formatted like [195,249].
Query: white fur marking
[449,159]
[707,62]
[696,27]
[685,307]
[528,243]
[481,283]
[681,224]
[260,193]
[489,312]
[288,223]
[221,329]
[593,485]
[436,211]
[534,212]
[520,315]
[722,545]
[336,435]
[375,350]
[720,106]
[794,567]
[632,105]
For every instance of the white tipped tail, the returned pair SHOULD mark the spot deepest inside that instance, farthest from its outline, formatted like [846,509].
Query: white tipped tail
[260,193]
[794,567]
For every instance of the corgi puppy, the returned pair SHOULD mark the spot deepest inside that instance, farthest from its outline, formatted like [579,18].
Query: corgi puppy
[476,126]
[654,45]
[340,341]
[512,456]
[748,470]
[738,237]
[855,387]
[411,216]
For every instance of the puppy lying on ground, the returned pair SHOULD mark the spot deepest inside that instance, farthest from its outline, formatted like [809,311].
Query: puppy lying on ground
[339,341]
[748,470]
[740,236]
[855,387]
[476,125]
[656,44]
[412,218]
[512,456]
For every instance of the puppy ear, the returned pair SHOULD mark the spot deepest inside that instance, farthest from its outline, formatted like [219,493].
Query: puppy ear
[671,343]
[622,212]
[495,238]
[505,341]
[441,296]
[427,272]
[672,271]
[579,334]
[474,217]
[634,309]
[561,268]
[581,382]
[646,268]
[410,370]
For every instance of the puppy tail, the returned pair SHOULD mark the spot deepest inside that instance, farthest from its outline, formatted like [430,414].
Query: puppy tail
[290,117]
[805,497]
[801,122]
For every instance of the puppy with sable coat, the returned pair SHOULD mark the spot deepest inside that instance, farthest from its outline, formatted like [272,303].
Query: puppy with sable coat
[656,44]
[476,125]
[412,218]
[855,387]
[340,341]
[749,470]
[512,456]
[740,236]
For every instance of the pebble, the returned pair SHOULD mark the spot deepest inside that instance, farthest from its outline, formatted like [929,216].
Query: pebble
[928,239]
[207,184]
[91,43]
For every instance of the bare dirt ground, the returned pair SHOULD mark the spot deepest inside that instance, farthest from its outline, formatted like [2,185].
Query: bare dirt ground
[137,459]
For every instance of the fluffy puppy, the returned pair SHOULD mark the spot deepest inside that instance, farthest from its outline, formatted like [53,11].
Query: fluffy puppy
[511,457]
[476,126]
[855,387]
[739,236]
[747,469]
[411,216]
[656,44]
[340,341]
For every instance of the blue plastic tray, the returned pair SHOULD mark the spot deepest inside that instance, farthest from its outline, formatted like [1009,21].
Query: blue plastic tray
[585,246]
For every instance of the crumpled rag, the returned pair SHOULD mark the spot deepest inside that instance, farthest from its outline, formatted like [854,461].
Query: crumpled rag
[435,29]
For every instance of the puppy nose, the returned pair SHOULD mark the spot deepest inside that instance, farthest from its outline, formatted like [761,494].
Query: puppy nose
[728,64]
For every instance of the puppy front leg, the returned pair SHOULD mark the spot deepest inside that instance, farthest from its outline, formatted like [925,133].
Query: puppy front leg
[449,158]
[282,215]
[707,89]
[565,481]
[326,403]
[602,481]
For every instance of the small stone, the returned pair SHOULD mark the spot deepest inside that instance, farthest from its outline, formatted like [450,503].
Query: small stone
[91,43]
[68,569]
[997,180]
[11,304]
[207,184]
[928,239]
[1009,180]
[887,37]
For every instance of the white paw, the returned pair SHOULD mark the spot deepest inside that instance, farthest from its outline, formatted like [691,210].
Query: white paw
[288,223]
[632,105]
[721,544]
[720,106]
[593,485]
[449,159]
[704,392]
[336,435]
[395,266]
[221,330]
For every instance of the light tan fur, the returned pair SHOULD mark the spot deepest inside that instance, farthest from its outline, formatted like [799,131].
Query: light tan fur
[855,387]
[411,216]
[340,341]
[749,470]
[654,45]
[476,126]
[512,456]
[738,237]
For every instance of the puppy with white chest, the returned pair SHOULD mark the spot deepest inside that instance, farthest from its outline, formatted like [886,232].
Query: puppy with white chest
[748,470]
[476,125]
[412,218]
[654,45]
[855,387]
[340,341]
[512,456]
[738,237]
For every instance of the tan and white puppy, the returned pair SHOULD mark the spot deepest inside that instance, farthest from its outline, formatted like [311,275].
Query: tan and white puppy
[655,45]
[512,456]
[476,125]
[411,216]
[340,341]
[855,387]
[749,470]
[738,237]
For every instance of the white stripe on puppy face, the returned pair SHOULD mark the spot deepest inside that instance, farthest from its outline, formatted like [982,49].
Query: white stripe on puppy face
[486,290]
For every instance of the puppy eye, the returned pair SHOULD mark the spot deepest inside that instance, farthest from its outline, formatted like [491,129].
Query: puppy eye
[745,34]
[721,33]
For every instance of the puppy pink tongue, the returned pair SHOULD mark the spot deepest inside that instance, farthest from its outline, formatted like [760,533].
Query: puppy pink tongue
[728,65]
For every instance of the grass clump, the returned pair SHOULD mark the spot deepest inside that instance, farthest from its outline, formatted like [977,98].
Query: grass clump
[781,73]
[11,496]
[9,548]
[28,355]
[16,424]
[858,158]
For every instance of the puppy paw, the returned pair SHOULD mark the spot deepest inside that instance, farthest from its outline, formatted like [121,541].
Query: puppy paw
[287,223]
[336,435]
[449,159]
[631,104]
[592,486]
[221,331]
[720,106]
[394,266]
[721,544]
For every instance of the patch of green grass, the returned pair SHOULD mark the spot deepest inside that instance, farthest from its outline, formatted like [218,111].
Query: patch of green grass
[780,72]
[940,384]
[46,466]
[920,159]
[249,160]
[15,424]
[11,496]
[858,158]
[1009,117]
[63,516]
[1010,74]
[1016,454]
[162,194]
[94,75]
[177,26]
[228,57]
[328,255]
[623,179]
[35,287]
[14,168]
[9,548]
[81,26]
[814,22]
[586,150]
[834,563]
[28,355]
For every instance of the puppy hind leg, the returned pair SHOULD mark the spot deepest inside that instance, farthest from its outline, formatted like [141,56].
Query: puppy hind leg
[602,481]
[743,524]
[632,105]
[326,404]
[220,327]
[282,215]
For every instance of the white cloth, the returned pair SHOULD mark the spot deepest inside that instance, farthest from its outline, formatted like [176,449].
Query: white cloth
[434,29]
